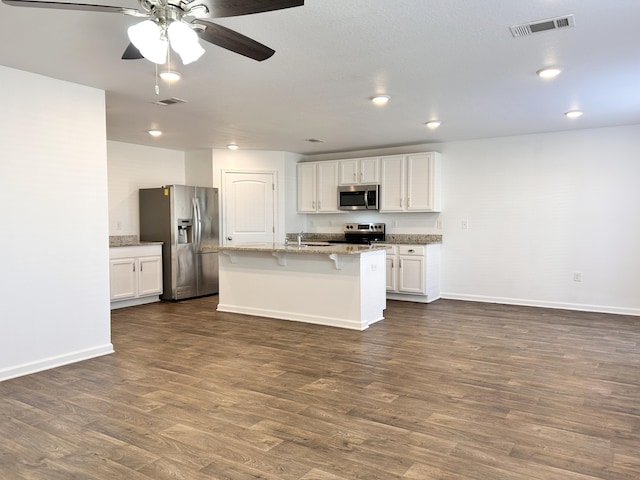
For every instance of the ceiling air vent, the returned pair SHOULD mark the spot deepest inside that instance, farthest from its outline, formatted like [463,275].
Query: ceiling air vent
[542,26]
[170,101]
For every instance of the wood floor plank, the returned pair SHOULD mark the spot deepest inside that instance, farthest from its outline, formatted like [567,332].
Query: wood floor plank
[449,391]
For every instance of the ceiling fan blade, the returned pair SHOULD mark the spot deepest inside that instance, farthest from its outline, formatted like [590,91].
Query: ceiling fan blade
[232,40]
[73,6]
[131,53]
[233,8]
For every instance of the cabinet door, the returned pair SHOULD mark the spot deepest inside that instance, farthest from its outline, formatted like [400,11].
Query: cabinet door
[420,177]
[412,275]
[307,187]
[392,191]
[369,170]
[348,172]
[123,278]
[149,276]
[327,187]
[392,261]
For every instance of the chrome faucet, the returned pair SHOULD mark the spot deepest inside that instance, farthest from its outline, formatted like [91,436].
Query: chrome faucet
[300,238]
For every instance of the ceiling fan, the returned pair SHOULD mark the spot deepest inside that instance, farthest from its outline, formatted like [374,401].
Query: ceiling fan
[179,23]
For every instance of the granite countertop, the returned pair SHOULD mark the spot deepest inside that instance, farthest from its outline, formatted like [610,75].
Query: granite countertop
[412,239]
[390,238]
[306,247]
[128,241]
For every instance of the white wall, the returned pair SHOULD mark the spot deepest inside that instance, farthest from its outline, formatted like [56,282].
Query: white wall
[539,208]
[199,168]
[54,306]
[132,167]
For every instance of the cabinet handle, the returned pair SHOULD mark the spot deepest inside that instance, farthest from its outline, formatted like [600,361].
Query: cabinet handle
[392,263]
[411,250]
[319,204]
[140,266]
[313,204]
[229,238]
[355,178]
[134,267]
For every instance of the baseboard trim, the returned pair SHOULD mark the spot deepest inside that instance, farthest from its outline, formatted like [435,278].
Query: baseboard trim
[53,362]
[296,317]
[537,303]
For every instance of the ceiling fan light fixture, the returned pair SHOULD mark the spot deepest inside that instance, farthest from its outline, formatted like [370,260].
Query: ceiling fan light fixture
[170,76]
[147,37]
[380,99]
[185,42]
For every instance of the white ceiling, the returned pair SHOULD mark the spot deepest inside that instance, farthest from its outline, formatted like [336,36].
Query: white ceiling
[454,60]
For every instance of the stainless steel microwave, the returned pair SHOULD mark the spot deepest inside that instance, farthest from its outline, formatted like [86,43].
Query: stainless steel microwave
[358,197]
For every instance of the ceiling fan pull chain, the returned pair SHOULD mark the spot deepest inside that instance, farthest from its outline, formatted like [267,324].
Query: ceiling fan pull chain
[157,86]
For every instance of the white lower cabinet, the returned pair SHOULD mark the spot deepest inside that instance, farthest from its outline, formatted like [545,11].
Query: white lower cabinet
[135,275]
[413,272]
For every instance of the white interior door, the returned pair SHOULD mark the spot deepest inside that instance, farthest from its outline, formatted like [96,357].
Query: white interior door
[249,207]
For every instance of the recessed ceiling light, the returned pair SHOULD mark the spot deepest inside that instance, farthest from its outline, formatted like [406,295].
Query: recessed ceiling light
[170,76]
[548,72]
[380,99]
[233,146]
[433,124]
[573,114]
[155,133]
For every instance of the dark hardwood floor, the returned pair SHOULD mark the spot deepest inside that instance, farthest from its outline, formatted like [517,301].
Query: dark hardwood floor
[451,391]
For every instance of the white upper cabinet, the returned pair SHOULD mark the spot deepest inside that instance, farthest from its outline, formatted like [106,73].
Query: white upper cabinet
[360,171]
[410,183]
[327,187]
[393,188]
[307,187]
[318,187]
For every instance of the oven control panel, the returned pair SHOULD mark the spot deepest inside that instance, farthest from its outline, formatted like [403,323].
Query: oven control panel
[364,228]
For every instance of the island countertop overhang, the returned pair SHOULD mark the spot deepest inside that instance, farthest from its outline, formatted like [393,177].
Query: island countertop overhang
[305,248]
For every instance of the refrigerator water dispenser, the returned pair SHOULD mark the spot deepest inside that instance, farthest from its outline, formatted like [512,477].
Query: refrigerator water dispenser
[185,230]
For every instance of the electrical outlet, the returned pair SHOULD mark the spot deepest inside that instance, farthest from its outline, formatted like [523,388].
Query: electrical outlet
[465,224]
[577,276]
[118,225]
[439,224]
[374,267]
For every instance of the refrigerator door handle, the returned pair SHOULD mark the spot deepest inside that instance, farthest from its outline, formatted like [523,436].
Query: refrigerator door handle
[198,224]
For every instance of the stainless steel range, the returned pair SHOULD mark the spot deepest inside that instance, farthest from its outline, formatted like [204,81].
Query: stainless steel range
[362,233]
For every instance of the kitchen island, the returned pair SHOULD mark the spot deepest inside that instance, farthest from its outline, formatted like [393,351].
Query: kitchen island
[338,285]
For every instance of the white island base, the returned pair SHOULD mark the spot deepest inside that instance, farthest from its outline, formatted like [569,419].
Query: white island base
[323,287]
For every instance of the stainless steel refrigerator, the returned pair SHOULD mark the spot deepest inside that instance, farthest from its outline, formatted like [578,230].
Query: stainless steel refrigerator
[185,218]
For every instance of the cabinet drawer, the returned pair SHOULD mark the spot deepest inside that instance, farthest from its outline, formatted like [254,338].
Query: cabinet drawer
[411,250]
